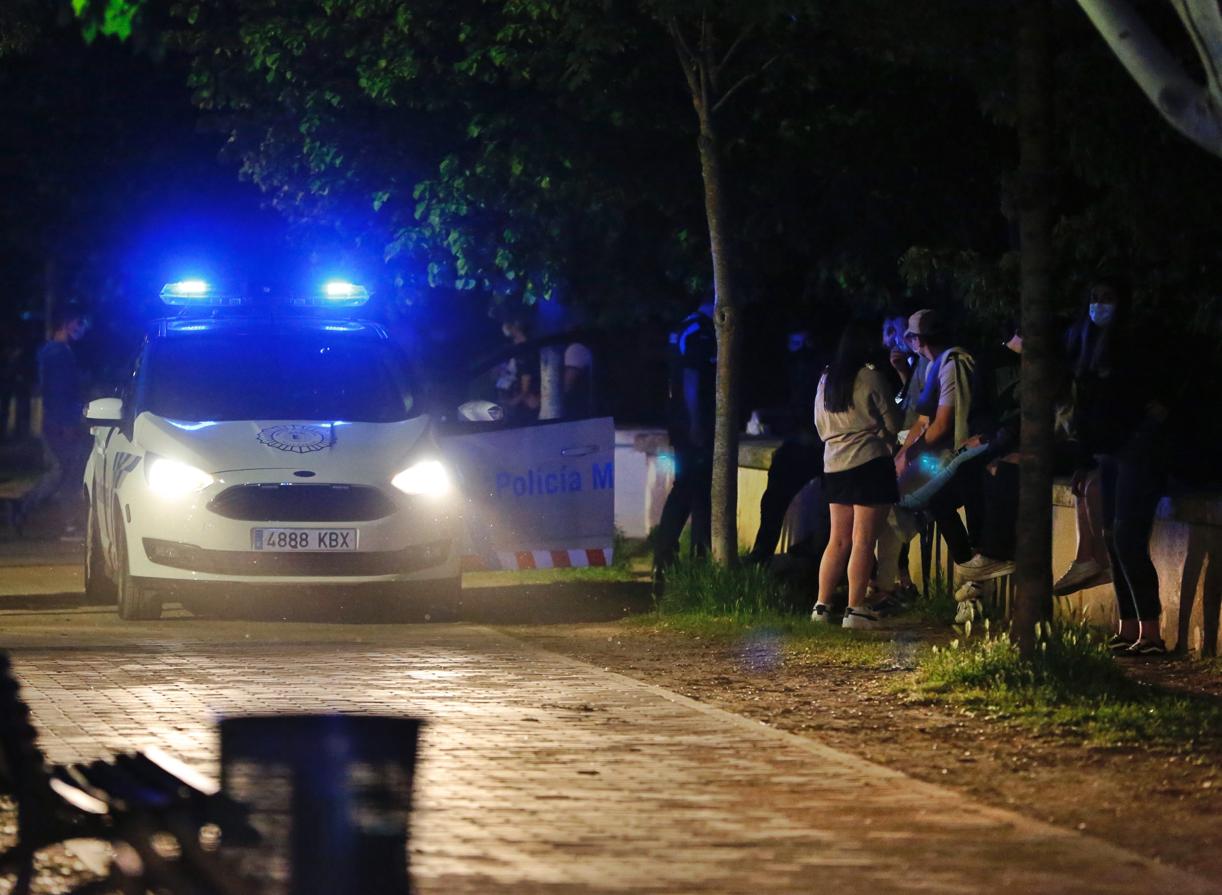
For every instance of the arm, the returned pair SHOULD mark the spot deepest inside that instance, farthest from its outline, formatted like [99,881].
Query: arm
[943,425]
[888,411]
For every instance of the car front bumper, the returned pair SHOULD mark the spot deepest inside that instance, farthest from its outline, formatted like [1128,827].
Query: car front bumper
[418,540]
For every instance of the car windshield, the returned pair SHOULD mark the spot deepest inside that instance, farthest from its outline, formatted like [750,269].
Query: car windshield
[302,376]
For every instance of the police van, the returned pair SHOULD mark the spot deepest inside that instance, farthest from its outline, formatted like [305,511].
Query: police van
[265,447]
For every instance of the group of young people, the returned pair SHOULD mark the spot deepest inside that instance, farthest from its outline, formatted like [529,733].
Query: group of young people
[936,430]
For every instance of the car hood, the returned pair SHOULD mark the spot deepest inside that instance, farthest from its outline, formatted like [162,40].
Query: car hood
[329,449]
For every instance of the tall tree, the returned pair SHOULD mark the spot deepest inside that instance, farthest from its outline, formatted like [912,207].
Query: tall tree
[1033,575]
[705,60]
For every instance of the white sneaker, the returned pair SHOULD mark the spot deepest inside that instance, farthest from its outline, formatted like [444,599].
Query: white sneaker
[968,591]
[822,613]
[982,568]
[859,618]
[1081,575]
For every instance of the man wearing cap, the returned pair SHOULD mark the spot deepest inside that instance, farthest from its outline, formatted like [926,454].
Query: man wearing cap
[941,429]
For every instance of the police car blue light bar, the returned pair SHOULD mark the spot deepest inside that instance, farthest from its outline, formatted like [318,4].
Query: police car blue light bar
[334,294]
[196,292]
[341,292]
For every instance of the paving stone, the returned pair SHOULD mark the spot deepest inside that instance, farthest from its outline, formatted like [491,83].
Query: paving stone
[542,774]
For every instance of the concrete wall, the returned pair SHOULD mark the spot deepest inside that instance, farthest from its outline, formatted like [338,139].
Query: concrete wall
[644,472]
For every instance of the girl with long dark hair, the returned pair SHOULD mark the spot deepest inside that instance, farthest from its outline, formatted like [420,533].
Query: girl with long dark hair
[858,420]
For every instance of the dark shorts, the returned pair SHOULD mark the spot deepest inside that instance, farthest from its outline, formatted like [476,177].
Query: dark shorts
[871,484]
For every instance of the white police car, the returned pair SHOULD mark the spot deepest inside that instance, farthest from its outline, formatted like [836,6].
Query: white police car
[266,448]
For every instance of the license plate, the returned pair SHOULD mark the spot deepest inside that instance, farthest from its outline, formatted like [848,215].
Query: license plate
[314,540]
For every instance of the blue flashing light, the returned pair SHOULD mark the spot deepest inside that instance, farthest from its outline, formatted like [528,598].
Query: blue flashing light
[340,289]
[196,292]
[189,288]
[342,294]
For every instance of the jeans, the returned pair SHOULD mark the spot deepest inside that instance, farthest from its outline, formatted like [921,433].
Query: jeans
[995,534]
[1131,484]
[690,495]
[965,489]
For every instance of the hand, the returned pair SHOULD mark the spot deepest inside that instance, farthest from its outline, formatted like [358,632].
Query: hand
[974,442]
[901,463]
[899,360]
[1077,484]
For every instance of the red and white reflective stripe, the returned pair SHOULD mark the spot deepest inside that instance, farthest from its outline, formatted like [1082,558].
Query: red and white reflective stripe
[545,559]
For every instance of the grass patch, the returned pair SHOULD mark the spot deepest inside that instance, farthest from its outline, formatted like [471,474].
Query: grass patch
[743,592]
[1072,686]
[938,604]
[776,636]
[751,608]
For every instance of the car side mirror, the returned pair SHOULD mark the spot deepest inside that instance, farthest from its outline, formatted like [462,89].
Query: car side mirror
[481,412]
[104,412]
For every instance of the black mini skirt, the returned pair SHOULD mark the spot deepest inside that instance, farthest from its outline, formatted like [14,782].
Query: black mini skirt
[871,484]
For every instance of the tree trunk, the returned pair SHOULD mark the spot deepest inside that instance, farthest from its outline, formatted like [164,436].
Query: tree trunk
[1033,601]
[551,382]
[725,316]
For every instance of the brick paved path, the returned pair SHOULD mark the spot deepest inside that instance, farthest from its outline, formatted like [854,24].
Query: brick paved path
[542,774]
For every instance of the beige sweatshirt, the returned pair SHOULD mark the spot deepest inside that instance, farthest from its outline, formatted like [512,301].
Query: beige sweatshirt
[864,432]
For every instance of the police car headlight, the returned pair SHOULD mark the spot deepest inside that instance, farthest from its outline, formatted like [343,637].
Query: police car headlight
[170,478]
[427,478]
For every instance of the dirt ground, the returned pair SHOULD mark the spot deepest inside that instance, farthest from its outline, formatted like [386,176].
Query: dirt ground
[1158,802]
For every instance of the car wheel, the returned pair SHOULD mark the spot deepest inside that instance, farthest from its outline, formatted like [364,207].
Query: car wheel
[99,585]
[136,601]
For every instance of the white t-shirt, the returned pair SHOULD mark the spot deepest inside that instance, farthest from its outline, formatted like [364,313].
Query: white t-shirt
[864,432]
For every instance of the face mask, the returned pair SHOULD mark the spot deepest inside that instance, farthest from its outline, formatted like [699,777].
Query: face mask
[1101,313]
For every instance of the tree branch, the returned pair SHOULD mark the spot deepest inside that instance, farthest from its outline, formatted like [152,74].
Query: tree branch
[747,31]
[1203,22]
[1185,104]
[743,80]
[687,61]
[708,74]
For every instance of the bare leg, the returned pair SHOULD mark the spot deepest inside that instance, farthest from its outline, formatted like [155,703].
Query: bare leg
[836,555]
[866,522]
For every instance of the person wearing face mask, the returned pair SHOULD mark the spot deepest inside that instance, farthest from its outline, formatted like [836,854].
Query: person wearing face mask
[1119,418]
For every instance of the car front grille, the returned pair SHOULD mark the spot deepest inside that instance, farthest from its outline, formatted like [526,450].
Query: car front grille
[290,502]
[252,562]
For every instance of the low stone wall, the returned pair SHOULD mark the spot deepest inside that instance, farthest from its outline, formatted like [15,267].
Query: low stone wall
[1186,547]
